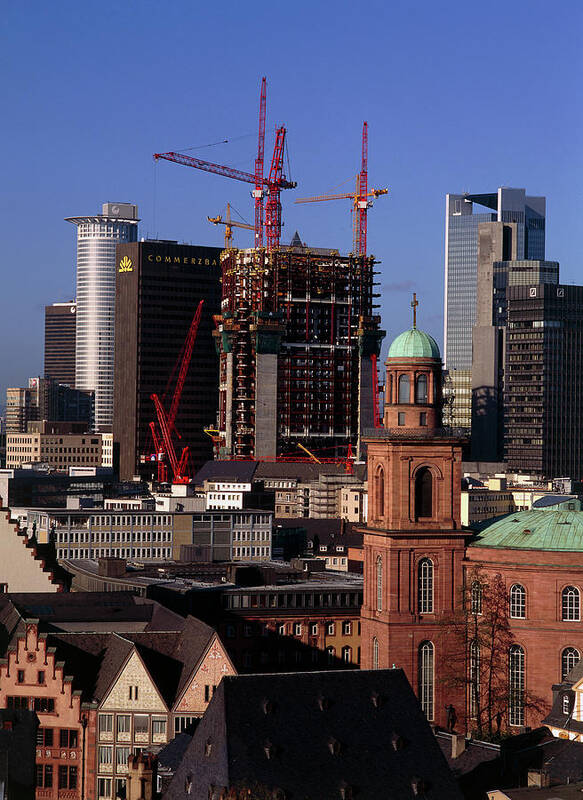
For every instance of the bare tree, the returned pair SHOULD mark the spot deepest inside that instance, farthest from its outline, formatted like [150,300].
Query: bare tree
[477,639]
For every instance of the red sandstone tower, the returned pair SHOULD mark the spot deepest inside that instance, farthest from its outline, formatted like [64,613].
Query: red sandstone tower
[413,544]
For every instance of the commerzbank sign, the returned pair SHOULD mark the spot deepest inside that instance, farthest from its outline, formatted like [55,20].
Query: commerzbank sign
[200,261]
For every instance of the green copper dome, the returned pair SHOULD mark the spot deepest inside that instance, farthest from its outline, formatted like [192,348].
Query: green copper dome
[414,344]
[533,530]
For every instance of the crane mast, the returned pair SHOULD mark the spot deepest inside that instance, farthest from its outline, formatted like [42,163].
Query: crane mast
[362,201]
[259,167]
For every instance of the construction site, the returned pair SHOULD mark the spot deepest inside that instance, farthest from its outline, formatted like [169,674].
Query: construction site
[295,340]
[297,335]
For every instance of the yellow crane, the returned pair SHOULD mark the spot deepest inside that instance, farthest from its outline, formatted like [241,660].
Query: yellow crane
[317,460]
[229,225]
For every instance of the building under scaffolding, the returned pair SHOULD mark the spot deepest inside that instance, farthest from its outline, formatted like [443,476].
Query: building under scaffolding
[295,339]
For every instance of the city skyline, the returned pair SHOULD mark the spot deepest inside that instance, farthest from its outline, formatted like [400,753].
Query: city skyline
[435,127]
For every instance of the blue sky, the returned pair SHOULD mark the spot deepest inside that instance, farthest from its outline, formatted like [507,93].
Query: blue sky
[457,98]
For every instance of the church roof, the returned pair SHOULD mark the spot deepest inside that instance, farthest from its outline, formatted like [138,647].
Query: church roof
[414,344]
[533,530]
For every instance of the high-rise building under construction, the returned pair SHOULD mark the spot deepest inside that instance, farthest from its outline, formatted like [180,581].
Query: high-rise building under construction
[295,336]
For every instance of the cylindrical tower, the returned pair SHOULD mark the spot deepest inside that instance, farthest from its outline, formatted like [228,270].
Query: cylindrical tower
[97,237]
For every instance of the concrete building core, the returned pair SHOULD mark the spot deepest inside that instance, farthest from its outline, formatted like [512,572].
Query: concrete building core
[295,336]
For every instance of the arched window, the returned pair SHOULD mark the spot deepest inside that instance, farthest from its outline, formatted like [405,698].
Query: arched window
[425,586]
[426,678]
[476,598]
[569,657]
[375,653]
[517,682]
[404,391]
[421,389]
[571,604]
[330,654]
[390,389]
[380,491]
[347,654]
[474,678]
[517,602]
[379,570]
[424,493]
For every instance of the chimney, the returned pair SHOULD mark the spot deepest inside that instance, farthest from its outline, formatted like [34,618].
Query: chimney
[458,744]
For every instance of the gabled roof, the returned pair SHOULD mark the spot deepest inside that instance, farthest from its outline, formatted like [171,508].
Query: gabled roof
[170,657]
[192,646]
[313,734]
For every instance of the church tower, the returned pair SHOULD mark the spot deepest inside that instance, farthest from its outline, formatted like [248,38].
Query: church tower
[413,543]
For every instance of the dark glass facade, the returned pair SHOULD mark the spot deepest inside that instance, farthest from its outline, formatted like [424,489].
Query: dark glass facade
[60,327]
[543,395]
[159,285]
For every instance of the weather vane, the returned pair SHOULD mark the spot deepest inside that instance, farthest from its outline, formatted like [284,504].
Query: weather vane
[414,304]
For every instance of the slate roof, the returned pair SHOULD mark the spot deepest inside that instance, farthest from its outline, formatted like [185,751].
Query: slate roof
[484,765]
[241,471]
[303,471]
[314,735]
[329,531]
[106,610]
[533,530]
[555,500]
[248,471]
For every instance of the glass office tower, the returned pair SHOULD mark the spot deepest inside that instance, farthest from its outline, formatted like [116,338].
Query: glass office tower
[461,271]
[97,238]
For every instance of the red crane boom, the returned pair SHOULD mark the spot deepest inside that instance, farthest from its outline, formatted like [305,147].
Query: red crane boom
[186,358]
[274,184]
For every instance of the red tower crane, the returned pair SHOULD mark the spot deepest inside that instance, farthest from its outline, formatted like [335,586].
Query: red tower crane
[162,470]
[274,184]
[360,198]
[179,471]
[164,445]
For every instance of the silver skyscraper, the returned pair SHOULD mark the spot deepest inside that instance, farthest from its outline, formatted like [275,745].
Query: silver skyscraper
[461,276]
[97,237]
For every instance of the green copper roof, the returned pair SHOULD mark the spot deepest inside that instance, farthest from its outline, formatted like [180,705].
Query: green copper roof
[414,344]
[533,530]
